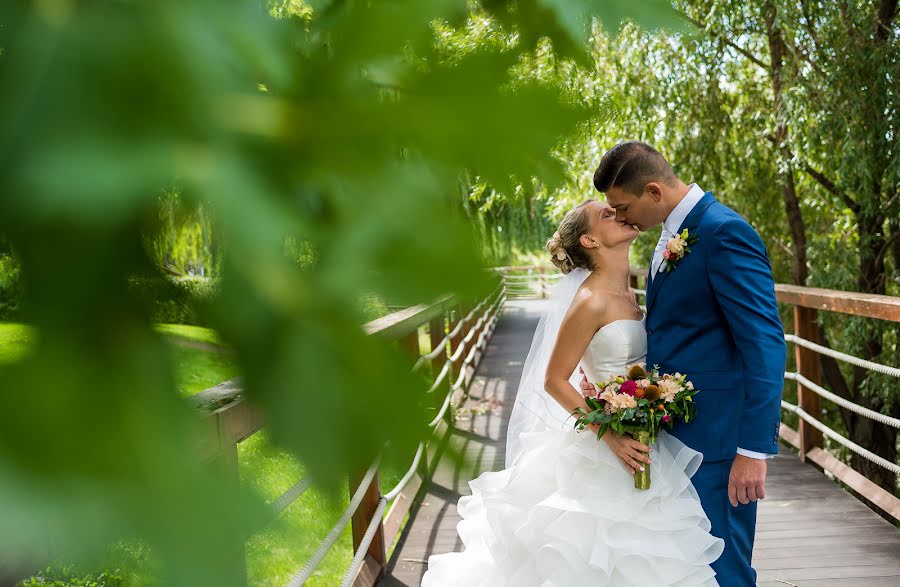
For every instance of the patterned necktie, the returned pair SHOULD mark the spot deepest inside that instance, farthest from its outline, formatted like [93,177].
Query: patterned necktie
[656,263]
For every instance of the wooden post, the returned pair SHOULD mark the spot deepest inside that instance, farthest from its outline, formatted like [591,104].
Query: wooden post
[543,284]
[458,340]
[455,317]
[363,516]
[436,332]
[410,345]
[808,366]
[228,461]
[470,325]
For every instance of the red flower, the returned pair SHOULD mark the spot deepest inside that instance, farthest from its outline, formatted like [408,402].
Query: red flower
[628,388]
[666,418]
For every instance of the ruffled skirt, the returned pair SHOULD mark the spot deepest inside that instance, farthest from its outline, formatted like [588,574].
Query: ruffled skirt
[566,514]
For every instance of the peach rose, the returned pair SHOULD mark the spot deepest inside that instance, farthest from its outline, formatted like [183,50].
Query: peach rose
[623,402]
[667,389]
[676,246]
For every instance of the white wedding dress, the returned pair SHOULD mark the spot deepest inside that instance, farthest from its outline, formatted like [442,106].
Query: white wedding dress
[565,513]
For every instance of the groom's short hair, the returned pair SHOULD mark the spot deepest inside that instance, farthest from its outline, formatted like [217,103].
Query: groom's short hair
[630,166]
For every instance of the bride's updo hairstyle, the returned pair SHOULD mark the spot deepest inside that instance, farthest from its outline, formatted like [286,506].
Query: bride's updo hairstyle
[565,250]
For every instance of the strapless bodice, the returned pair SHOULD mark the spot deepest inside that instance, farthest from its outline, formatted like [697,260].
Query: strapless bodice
[614,347]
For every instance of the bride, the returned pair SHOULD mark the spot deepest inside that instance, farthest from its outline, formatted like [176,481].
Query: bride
[564,512]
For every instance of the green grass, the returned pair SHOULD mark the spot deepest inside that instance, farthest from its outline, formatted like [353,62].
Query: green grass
[14,341]
[276,552]
[193,333]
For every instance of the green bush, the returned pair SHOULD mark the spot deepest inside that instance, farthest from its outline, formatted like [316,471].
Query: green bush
[68,576]
[10,288]
[174,300]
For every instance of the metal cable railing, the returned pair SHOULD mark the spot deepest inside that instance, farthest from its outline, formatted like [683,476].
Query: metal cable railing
[824,350]
[844,403]
[316,559]
[843,440]
[483,328]
[358,560]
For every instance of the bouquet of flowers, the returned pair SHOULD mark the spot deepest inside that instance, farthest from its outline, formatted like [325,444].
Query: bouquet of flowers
[640,404]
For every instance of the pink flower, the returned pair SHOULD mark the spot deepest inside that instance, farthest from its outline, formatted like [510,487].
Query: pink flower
[667,254]
[628,388]
[645,383]
[667,418]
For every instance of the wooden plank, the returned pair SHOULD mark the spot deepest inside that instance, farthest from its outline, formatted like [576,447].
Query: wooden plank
[844,302]
[401,323]
[368,574]
[872,492]
[834,559]
[790,435]
[401,506]
[850,572]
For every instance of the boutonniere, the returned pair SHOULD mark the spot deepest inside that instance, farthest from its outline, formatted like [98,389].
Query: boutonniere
[678,247]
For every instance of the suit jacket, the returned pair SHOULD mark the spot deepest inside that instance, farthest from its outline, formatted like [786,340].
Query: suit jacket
[714,317]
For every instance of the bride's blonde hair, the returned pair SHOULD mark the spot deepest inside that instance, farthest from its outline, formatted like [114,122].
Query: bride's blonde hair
[564,247]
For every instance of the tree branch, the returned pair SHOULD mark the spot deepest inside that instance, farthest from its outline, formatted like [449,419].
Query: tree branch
[808,20]
[887,10]
[820,178]
[829,185]
[886,247]
[798,52]
[739,49]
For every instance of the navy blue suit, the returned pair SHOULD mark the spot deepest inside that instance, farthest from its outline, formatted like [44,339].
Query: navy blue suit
[714,318]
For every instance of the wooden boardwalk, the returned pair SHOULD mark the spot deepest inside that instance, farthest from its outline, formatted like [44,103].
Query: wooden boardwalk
[809,531]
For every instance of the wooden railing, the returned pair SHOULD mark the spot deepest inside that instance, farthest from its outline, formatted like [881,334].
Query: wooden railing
[458,334]
[536,282]
[808,439]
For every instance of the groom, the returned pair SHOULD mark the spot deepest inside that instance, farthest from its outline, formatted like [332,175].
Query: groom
[711,314]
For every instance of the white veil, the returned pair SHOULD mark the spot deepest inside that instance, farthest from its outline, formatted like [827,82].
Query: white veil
[535,410]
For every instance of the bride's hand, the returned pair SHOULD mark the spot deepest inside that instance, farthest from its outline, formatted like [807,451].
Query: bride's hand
[632,453]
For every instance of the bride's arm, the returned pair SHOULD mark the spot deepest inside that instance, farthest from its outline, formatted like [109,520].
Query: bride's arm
[578,327]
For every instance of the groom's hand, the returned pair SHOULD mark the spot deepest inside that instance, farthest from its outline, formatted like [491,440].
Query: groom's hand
[747,481]
[586,386]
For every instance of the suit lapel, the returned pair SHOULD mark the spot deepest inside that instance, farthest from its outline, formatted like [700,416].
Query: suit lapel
[690,222]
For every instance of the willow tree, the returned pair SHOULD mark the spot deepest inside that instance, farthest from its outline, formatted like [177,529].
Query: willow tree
[832,77]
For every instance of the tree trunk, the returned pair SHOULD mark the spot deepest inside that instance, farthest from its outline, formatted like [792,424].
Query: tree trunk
[778,50]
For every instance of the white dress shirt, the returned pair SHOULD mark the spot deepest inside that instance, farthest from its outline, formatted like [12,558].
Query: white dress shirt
[673,222]
[670,228]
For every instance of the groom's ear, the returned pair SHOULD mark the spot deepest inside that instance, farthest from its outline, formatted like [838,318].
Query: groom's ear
[654,191]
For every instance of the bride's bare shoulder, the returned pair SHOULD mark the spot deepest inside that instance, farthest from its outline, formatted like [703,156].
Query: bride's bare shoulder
[588,303]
